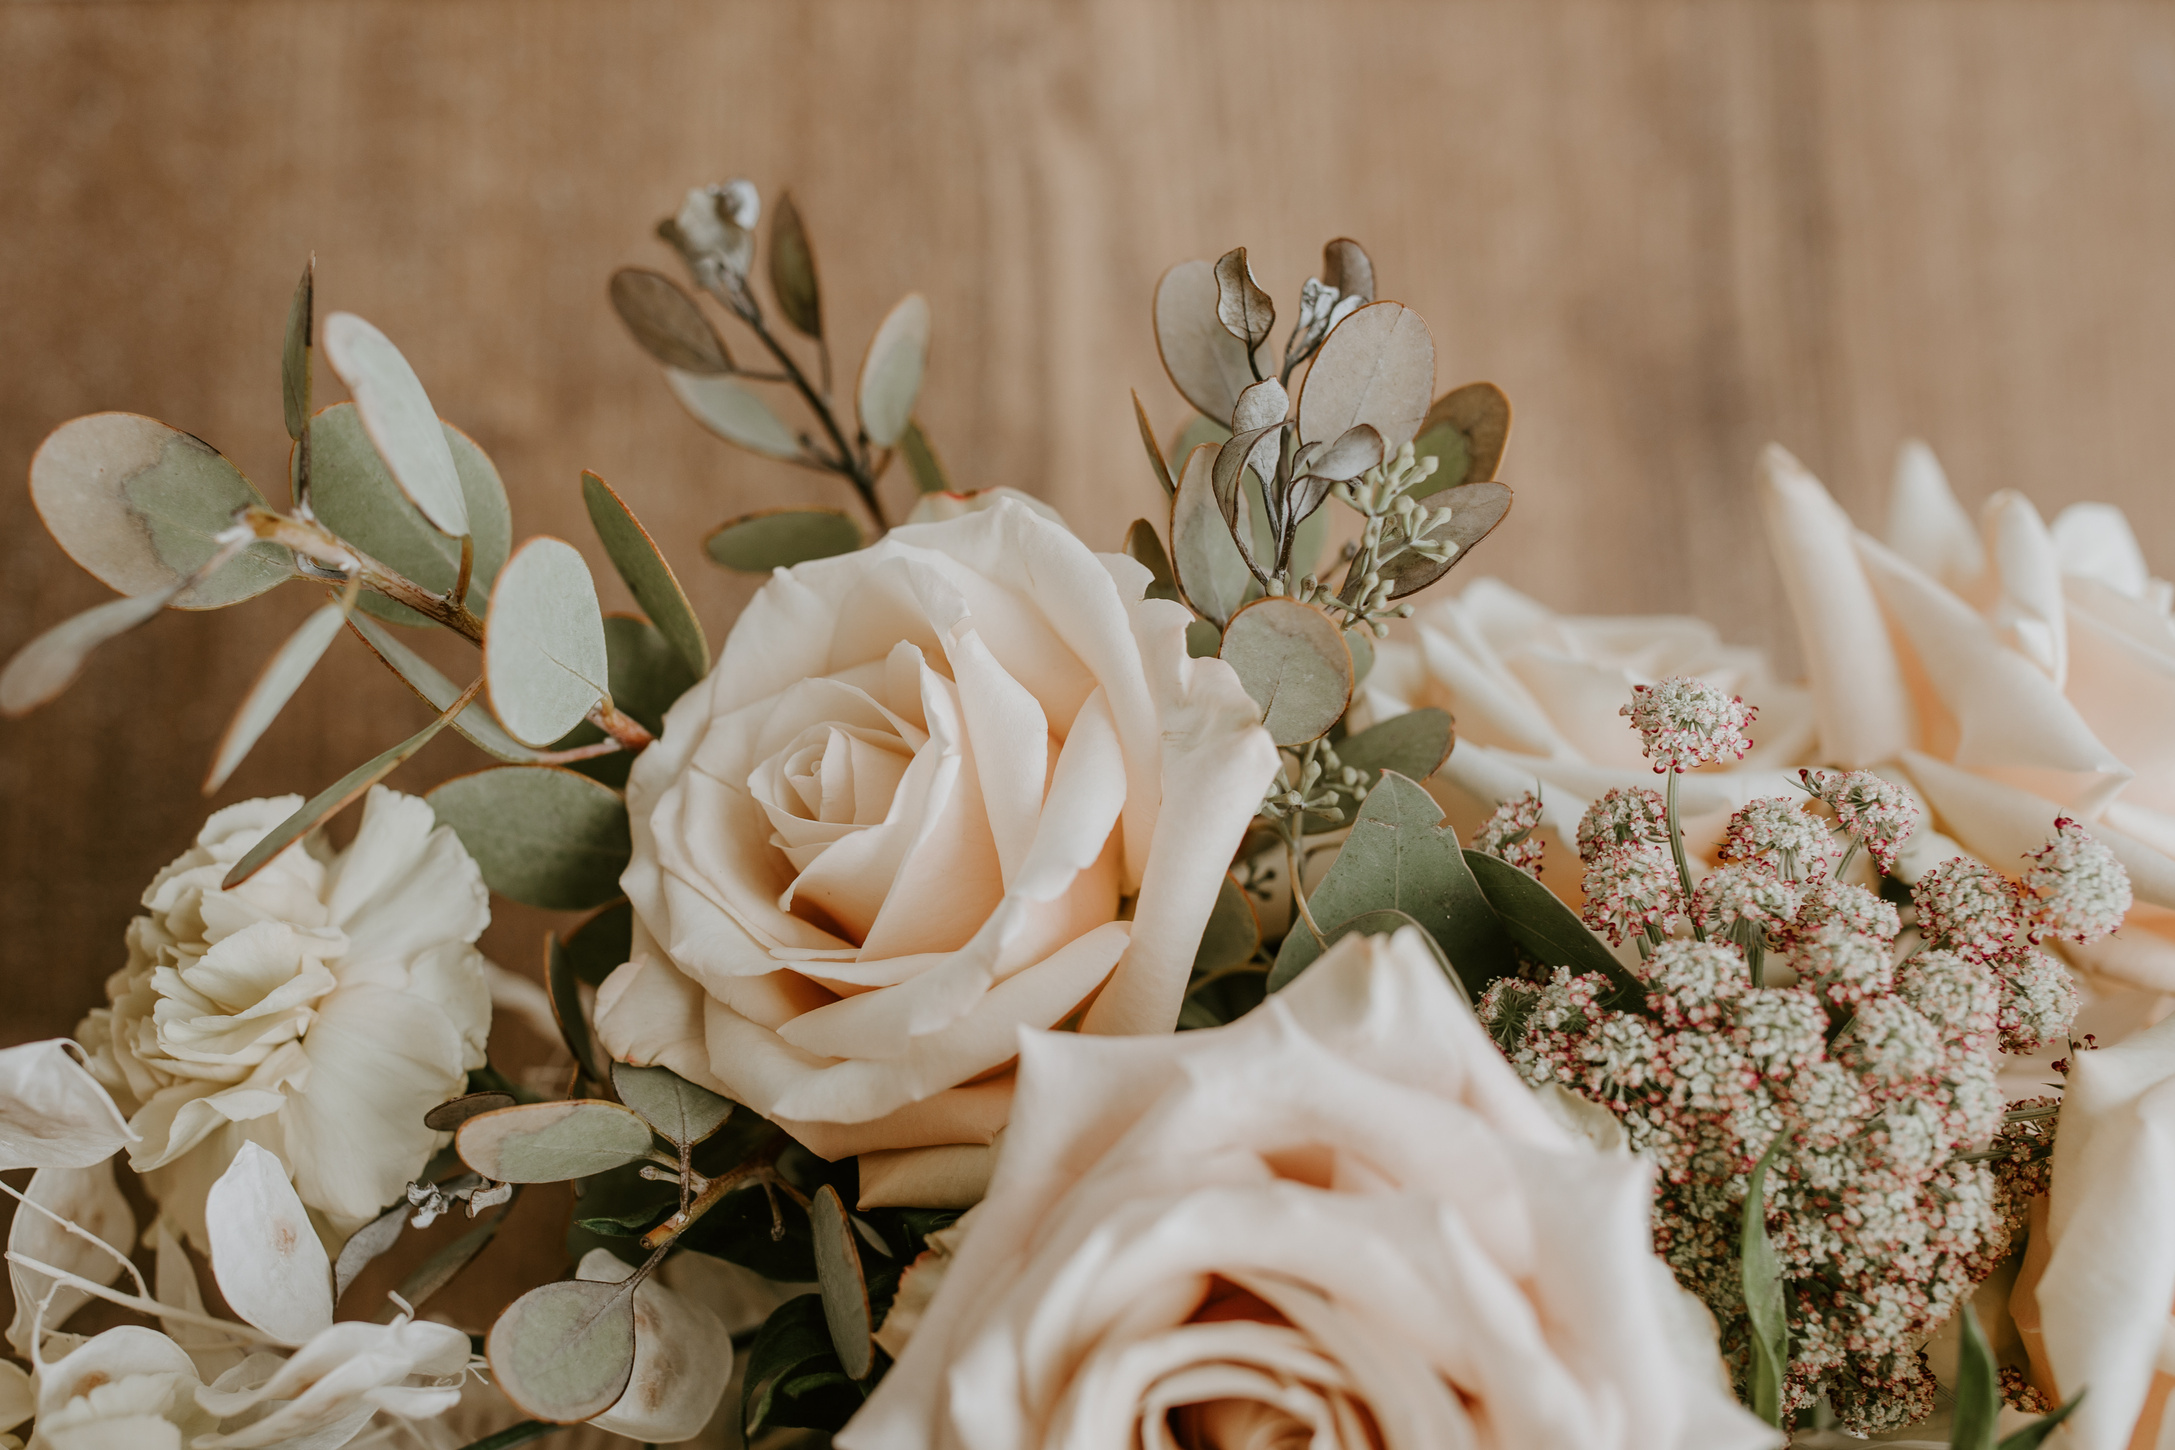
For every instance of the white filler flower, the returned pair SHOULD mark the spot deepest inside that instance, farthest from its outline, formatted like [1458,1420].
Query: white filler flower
[319,1008]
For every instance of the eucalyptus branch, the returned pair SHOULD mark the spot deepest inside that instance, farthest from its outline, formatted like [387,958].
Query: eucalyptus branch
[312,540]
[851,464]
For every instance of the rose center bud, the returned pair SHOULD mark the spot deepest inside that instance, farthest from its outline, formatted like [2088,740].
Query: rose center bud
[222,1012]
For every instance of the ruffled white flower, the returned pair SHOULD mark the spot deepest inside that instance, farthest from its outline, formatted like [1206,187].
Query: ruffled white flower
[320,1008]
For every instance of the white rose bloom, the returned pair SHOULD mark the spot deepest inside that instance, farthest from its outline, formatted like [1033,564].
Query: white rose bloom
[1340,1222]
[957,783]
[320,1009]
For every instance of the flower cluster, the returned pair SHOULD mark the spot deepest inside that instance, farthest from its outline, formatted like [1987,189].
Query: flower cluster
[1685,723]
[1983,917]
[1508,833]
[1877,815]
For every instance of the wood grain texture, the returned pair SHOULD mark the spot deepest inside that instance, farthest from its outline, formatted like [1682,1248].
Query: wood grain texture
[1671,230]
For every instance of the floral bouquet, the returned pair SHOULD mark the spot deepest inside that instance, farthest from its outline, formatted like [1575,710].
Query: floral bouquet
[1017,996]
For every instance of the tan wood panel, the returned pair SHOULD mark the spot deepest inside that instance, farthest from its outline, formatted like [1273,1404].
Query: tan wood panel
[1671,230]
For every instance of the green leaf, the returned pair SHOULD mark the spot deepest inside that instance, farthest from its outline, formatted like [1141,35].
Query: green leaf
[921,460]
[552,1142]
[448,1116]
[1198,430]
[1292,660]
[544,654]
[1550,931]
[794,1377]
[1377,367]
[780,538]
[1203,639]
[601,943]
[648,673]
[669,324]
[565,1351]
[474,724]
[1764,1298]
[353,495]
[1476,508]
[1233,931]
[1155,453]
[542,836]
[1144,546]
[567,1010]
[137,504]
[1361,643]
[733,413]
[845,1294]
[1414,744]
[891,370]
[2032,1436]
[1978,1377]
[1387,921]
[333,799]
[1210,569]
[793,269]
[1205,362]
[43,668]
[623,1204]
[1400,856]
[294,358]
[651,580]
[365,1245]
[682,1112]
[399,418]
[282,675]
[1465,432]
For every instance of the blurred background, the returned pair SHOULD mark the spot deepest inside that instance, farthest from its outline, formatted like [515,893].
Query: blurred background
[1672,230]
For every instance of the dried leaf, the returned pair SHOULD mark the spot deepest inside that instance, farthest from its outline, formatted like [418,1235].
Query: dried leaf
[1254,449]
[541,835]
[474,724]
[1465,432]
[780,538]
[137,504]
[1204,555]
[1155,454]
[372,1239]
[565,1352]
[294,359]
[544,655]
[43,668]
[270,1266]
[398,415]
[282,675]
[1245,311]
[440,1269]
[793,269]
[1205,362]
[552,1142]
[450,1115]
[845,1294]
[1475,510]
[649,578]
[1292,660]
[54,1114]
[1356,450]
[1377,367]
[668,323]
[921,460]
[1260,406]
[1347,267]
[682,1112]
[733,413]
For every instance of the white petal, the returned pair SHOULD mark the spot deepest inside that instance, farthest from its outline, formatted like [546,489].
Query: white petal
[88,1198]
[266,1257]
[53,1114]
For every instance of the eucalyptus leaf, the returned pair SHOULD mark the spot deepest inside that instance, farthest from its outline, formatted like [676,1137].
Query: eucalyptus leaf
[1465,432]
[353,495]
[601,942]
[474,724]
[1361,643]
[682,1112]
[564,1352]
[542,836]
[1203,639]
[332,800]
[1155,453]
[1205,362]
[137,504]
[1400,856]
[544,654]
[648,674]
[1347,267]
[365,1245]
[294,357]
[1377,367]
[780,538]
[1475,510]
[1978,1377]
[1245,311]
[1356,450]
[1233,931]
[1414,744]
[575,1029]
[921,460]
[845,1294]
[1210,569]
[276,684]
[448,1116]
[668,323]
[43,668]
[794,1377]
[1198,430]
[1388,921]
[1764,1302]
[1292,660]
[399,418]
[1550,931]
[551,1142]
[733,413]
[1144,546]
[891,370]
[793,269]
[442,1267]
[649,578]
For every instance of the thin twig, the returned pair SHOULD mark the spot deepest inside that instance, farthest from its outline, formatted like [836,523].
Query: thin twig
[151,1307]
[80,1232]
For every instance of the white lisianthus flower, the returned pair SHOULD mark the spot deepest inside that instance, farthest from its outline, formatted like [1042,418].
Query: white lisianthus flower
[1340,1222]
[320,1009]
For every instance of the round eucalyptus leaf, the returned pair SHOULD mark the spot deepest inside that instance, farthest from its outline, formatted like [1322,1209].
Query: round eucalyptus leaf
[1377,367]
[541,835]
[668,323]
[551,1142]
[1210,569]
[137,503]
[838,1274]
[399,417]
[564,1352]
[1205,362]
[648,577]
[450,1115]
[1475,510]
[353,495]
[891,370]
[1465,432]
[683,1113]
[544,655]
[1292,659]
[780,538]
[733,413]
[474,724]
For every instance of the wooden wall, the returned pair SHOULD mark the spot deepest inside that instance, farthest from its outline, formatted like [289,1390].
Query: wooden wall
[1672,229]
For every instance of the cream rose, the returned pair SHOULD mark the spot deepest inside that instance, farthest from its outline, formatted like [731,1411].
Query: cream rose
[1340,1222]
[320,1009]
[2014,672]
[957,783]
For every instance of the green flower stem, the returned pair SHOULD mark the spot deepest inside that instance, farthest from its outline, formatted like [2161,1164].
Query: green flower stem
[1296,858]
[1848,857]
[1676,848]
